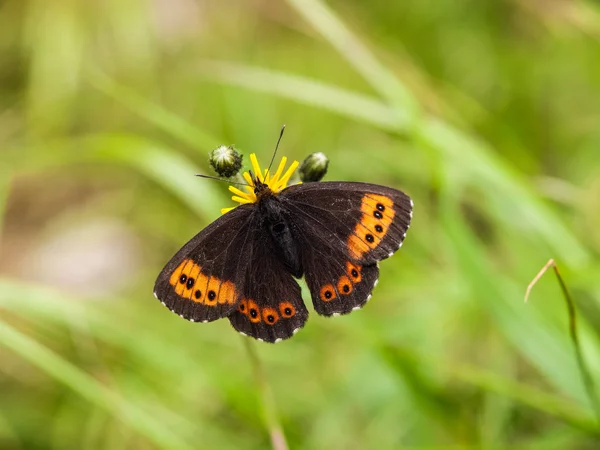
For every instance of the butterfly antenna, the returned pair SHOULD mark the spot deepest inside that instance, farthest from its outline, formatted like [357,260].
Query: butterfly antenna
[254,179]
[276,147]
[221,179]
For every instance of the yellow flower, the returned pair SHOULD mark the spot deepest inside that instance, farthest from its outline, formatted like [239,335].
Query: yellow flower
[276,183]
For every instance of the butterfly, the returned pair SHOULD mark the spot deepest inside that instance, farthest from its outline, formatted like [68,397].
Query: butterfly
[243,265]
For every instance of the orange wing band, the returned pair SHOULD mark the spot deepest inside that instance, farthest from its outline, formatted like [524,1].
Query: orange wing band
[377,216]
[189,282]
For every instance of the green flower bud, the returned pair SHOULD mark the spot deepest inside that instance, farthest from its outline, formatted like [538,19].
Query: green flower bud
[314,167]
[226,161]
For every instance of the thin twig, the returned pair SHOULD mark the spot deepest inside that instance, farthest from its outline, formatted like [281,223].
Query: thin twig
[587,379]
[270,413]
[537,278]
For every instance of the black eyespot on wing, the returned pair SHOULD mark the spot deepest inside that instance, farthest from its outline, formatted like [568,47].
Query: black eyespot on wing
[338,286]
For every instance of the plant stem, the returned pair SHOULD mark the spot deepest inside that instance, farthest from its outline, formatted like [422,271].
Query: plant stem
[270,414]
[587,379]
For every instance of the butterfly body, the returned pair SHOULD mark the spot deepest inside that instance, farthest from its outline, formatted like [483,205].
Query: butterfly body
[244,265]
[274,217]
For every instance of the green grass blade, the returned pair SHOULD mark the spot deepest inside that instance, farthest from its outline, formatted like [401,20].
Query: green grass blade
[89,388]
[382,80]
[5,183]
[159,117]
[505,187]
[267,399]
[527,330]
[526,395]
[304,90]
[488,381]
[170,169]
[586,377]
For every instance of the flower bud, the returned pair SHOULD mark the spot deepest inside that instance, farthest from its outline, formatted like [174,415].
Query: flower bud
[314,167]
[226,161]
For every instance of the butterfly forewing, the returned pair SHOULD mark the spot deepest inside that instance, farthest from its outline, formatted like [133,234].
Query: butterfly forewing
[367,222]
[205,279]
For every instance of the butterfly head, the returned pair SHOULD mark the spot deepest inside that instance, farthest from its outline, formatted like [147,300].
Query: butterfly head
[261,182]
[260,188]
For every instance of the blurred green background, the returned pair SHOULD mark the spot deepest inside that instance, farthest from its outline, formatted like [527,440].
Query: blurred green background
[486,112]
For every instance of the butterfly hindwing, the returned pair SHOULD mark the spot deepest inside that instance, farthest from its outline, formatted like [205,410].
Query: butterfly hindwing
[271,308]
[338,285]
[204,280]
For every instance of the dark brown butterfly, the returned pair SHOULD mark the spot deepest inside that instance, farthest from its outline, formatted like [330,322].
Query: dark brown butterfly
[242,266]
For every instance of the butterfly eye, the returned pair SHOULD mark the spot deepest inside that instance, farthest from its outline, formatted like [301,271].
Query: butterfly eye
[197,294]
[380,207]
[278,228]
[379,228]
[369,238]
[183,279]
[378,214]
[190,283]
